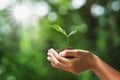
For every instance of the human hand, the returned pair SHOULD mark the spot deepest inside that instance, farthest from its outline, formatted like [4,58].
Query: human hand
[82,60]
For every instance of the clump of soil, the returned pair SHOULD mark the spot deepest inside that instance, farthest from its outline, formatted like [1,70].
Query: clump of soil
[70,48]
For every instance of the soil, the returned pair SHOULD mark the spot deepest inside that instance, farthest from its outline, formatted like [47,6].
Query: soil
[70,48]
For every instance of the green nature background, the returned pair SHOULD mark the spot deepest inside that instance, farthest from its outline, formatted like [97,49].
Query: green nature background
[25,35]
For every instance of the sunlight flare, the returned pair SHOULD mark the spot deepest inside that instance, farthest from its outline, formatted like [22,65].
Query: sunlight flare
[21,13]
[26,13]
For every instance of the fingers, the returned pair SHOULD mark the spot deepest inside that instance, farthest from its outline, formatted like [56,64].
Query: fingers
[55,53]
[50,59]
[84,51]
[56,60]
[67,53]
[74,53]
[55,56]
[81,59]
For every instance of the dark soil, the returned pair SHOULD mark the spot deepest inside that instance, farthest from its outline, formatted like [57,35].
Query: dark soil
[59,50]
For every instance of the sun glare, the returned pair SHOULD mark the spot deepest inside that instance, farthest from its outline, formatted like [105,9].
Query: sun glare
[76,4]
[26,13]
[5,3]
[20,14]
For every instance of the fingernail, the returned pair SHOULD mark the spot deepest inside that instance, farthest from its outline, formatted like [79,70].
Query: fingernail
[48,50]
[60,54]
[48,58]
[51,48]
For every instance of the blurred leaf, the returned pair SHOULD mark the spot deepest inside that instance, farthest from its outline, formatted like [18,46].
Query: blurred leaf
[59,29]
[74,30]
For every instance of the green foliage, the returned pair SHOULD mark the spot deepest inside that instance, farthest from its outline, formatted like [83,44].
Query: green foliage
[59,29]
[76,29]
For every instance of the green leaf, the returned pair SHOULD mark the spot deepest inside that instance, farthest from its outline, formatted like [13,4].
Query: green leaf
[59,29]
[74,30]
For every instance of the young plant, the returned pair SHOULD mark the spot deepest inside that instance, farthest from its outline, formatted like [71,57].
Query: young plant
[59,29]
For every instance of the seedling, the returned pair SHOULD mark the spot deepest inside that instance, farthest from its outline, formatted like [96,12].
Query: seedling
[59,29]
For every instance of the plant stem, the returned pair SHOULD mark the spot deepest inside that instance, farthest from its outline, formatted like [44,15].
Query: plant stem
[68,41]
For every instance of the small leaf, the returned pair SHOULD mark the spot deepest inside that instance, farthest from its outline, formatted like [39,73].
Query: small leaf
[59,29]
[74,30]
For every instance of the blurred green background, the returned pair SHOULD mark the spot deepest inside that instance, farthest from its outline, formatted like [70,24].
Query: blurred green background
[25,35]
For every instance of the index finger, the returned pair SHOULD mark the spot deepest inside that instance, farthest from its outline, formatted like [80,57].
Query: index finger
[56,56]
[66,53]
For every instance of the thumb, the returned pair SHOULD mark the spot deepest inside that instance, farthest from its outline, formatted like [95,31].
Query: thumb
[67,53]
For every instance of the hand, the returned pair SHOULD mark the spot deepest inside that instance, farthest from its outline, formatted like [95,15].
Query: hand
[82,60]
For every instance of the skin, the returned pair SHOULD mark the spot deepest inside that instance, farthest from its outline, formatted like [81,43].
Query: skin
[83,60]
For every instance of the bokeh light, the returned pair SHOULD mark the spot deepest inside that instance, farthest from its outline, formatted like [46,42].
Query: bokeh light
[2,69]
[41,9]
[97,10]
[76,4]
[115,5]
[63,10]
[11,77]
[52,16]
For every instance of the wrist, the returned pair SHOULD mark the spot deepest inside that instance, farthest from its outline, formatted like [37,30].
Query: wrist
[94,64]
[97,67]
[103,70]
